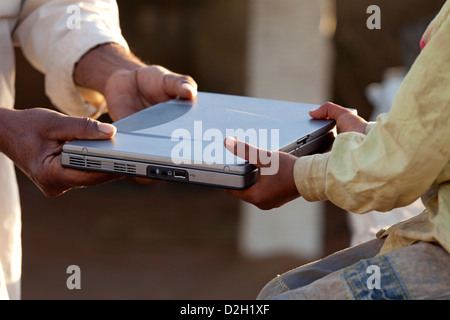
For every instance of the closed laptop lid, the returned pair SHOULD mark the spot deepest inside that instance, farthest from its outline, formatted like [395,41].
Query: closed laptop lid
[191,132]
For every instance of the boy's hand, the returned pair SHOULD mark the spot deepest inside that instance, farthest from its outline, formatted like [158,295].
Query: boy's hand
[346,120]
[273,188]
[128,84]
[278,187]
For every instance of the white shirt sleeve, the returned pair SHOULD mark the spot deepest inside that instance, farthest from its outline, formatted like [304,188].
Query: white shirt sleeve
[55,34]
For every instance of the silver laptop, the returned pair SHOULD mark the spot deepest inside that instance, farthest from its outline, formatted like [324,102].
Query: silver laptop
[182,140]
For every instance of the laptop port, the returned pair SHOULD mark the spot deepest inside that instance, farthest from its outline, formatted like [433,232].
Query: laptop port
[180,174]
[302,141]
[166,173]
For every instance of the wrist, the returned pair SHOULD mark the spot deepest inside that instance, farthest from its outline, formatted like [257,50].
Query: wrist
[6,127]
[292,186]
[369,126]
[99,64]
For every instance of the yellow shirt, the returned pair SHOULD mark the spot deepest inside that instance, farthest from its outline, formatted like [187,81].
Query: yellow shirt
[404,155]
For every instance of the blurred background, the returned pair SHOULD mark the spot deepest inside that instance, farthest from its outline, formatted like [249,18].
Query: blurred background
[162,240]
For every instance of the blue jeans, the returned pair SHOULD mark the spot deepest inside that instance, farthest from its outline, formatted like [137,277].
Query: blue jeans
[419,271]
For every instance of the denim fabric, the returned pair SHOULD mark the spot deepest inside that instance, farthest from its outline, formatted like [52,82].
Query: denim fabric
[391,285]
[419,271]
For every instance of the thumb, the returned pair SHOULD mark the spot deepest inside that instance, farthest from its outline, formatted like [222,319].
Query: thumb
[246,151]
[71,128]
[180,85]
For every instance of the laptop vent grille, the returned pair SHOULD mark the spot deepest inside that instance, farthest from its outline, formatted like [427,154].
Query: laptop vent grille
[117,167]
[124,168]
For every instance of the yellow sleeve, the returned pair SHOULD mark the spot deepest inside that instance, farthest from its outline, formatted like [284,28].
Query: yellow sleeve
[402,155]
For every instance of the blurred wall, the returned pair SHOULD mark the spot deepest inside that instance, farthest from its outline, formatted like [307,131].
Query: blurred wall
[205,39]
[362,55]
[289,57]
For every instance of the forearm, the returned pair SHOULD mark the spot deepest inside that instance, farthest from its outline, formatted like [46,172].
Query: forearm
[96,66]
[389,168]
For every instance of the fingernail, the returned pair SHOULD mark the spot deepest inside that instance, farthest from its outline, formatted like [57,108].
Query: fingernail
[187,86]
[230,142]
[107,128]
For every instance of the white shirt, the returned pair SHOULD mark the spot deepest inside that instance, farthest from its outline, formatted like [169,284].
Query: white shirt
[52,40]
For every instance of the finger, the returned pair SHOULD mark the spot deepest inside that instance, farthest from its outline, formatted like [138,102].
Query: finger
[329,111]
[238,148]
[240,194]
[142,181]
[247,152]
[66,128]
[54,180]
[179,85]
[78,178]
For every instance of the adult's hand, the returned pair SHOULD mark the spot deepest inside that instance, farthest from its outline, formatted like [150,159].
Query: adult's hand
[33,139]
[129,91]
[128,84]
